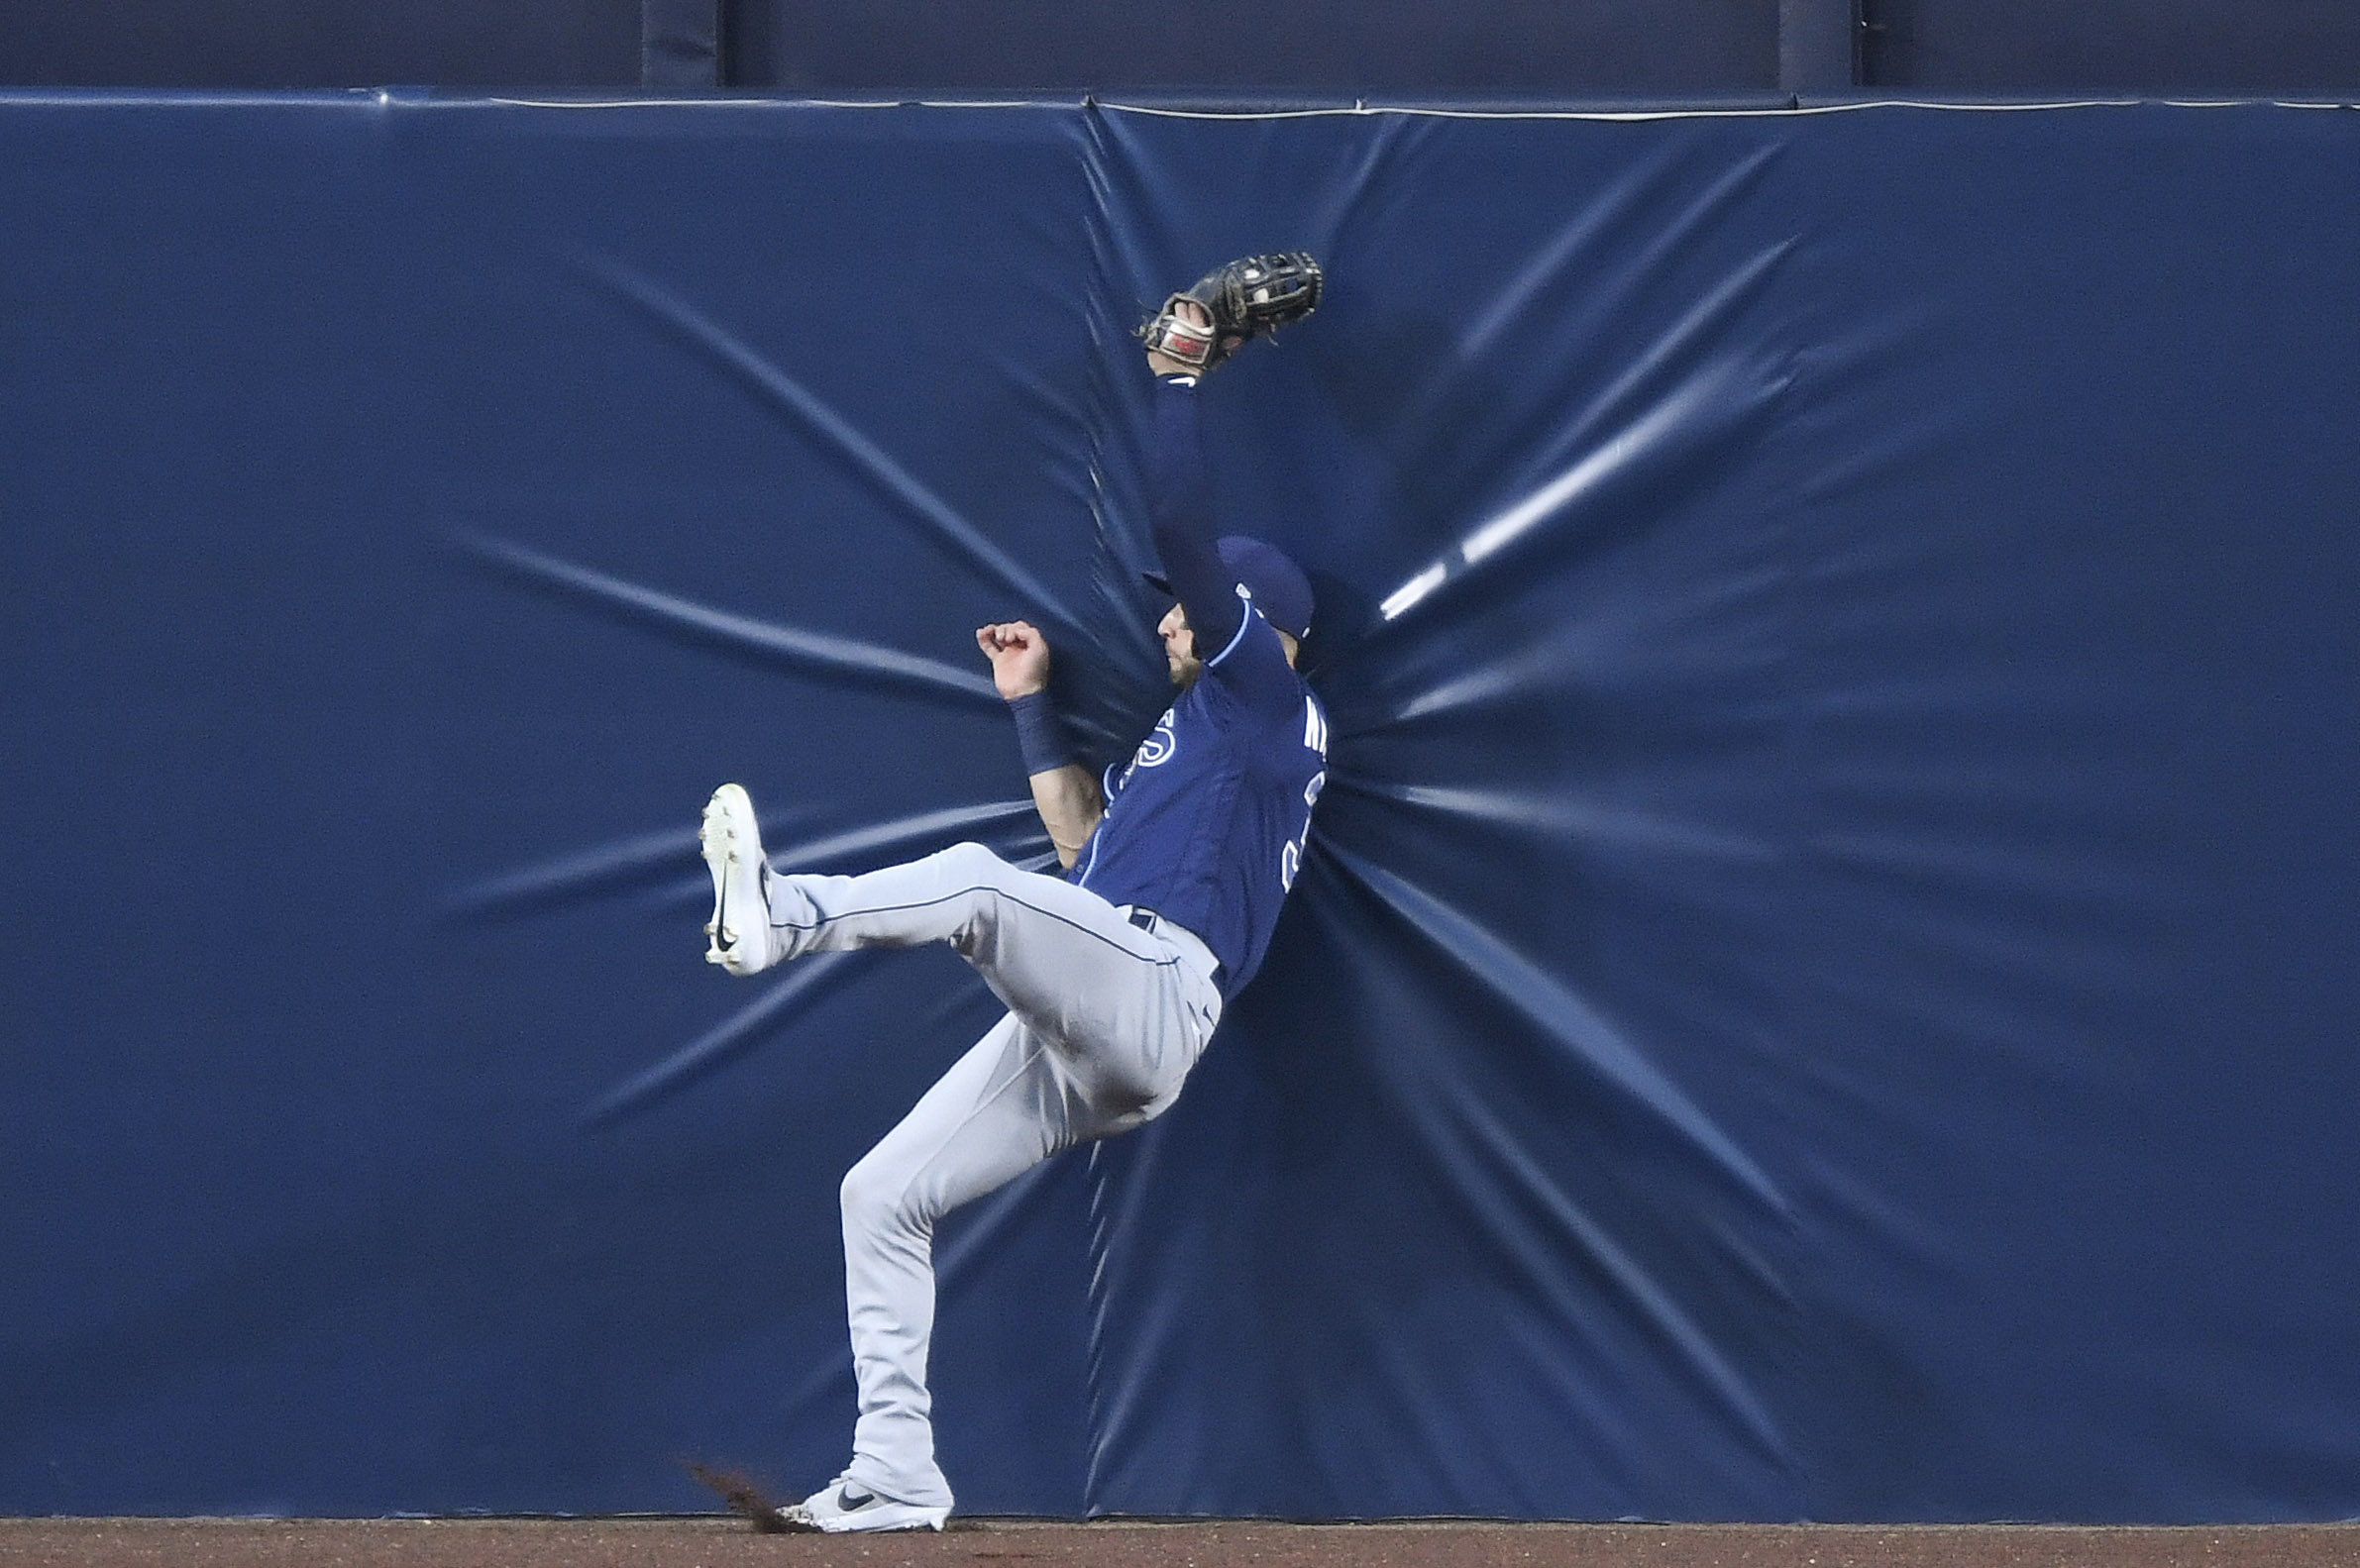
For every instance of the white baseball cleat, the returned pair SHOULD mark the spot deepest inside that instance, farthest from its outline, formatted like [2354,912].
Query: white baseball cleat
[845,1506]
[738,936]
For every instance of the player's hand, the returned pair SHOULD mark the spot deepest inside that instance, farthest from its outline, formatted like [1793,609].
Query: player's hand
[1020,657]
[1195,315]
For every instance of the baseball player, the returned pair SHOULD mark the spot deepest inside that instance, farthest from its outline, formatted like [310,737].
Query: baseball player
[1115,974]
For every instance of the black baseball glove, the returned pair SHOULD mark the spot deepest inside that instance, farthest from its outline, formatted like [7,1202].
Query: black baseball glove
[1245,298]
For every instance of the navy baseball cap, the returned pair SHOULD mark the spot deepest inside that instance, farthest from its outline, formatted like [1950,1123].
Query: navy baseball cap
[1277,586]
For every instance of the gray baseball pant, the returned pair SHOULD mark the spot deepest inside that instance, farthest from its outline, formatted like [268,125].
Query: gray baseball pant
[1105,1020]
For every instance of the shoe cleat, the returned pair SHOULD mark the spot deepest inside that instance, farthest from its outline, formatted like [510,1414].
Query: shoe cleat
[844,1506]
[731,842]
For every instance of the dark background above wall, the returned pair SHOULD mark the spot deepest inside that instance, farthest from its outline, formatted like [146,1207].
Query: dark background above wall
[2149,47]
[243,43]
[1347,47]
[1591,49]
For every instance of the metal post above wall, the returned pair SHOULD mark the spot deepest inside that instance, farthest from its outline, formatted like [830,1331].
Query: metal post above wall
[680,43]
[1818,46]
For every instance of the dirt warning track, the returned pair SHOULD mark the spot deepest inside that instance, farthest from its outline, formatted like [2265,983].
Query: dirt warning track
[698,1543]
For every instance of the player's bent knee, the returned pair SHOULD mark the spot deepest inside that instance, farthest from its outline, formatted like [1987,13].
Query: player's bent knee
[873,1196]
[971,862]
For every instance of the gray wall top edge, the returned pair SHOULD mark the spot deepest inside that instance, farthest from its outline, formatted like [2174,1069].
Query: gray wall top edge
[414,99]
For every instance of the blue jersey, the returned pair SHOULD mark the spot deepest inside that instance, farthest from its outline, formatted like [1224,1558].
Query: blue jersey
[1206,824]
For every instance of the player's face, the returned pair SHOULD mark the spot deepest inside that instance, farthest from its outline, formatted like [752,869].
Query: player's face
[1180,648]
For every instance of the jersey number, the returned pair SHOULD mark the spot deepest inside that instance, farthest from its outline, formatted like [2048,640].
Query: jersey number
[1290,858]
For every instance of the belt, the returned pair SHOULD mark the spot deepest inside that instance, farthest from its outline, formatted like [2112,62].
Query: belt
[1185,942]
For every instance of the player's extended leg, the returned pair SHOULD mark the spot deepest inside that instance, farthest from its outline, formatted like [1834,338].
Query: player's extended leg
[1130,1010]
[1005,1106]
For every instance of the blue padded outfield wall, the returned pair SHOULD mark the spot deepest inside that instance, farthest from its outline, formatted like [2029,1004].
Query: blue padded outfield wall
[1824,982]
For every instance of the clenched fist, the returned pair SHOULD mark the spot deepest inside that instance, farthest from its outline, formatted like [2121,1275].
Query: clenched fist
[1020,657]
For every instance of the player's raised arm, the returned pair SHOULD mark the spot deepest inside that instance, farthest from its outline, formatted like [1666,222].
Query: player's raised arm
[1063,791]
[1196,330]
[1181,518]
